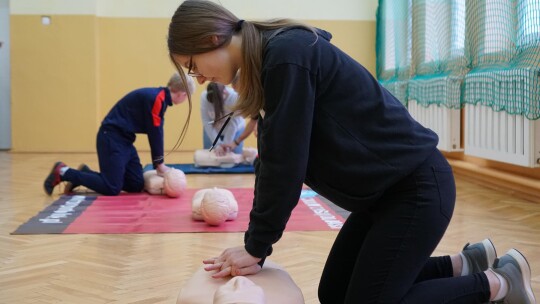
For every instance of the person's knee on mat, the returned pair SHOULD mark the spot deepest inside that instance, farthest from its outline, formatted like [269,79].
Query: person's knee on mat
[134,187]
[112,190]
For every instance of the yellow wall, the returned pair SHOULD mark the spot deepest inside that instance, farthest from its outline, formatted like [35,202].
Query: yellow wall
[133,54]
[54,92]
[356,38]
[66,76]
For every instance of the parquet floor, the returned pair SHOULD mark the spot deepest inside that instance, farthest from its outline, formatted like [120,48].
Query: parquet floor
[151,268]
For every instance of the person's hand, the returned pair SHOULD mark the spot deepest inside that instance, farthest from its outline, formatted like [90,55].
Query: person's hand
[228,147]
[222,150]
[234,261]
[161,169]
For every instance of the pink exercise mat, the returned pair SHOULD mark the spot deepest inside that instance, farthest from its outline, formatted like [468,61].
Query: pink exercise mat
[144,213]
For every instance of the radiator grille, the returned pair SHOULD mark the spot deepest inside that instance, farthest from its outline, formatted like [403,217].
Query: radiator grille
[501,136]
[442,120]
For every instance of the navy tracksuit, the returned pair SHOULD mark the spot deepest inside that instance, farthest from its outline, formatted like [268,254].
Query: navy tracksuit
[140,111]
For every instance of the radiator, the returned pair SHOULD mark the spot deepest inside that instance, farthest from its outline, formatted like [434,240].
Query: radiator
[442,120]
[501,136]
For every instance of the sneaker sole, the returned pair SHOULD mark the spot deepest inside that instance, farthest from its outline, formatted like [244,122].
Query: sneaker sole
[491,252]
[48,179]
[525,272]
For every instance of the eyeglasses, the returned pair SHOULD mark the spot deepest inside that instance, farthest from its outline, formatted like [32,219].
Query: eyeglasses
[222,128]
[190,71]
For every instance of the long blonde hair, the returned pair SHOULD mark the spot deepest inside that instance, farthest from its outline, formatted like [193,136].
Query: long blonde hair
[177,83]
[194,24]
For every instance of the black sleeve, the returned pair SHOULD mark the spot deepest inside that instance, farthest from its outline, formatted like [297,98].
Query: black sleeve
[283,153]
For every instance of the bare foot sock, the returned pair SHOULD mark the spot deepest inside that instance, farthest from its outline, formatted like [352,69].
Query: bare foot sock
[63,170]
[503,289]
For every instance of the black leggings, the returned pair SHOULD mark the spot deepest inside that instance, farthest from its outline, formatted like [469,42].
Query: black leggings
[383,255]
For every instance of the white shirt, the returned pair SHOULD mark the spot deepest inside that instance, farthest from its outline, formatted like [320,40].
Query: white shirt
[208,115]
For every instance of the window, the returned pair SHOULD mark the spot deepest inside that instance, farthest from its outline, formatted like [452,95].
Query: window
[397,34]
[529,22]
[458,28]
[389,38]
[436,30]
[498,26]
[439,32]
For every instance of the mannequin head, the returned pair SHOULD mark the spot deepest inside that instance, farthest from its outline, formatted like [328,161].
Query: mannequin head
[215,207]
[239,290]
[174,182]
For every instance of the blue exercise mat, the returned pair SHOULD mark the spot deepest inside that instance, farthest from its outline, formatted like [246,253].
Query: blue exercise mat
[191,169]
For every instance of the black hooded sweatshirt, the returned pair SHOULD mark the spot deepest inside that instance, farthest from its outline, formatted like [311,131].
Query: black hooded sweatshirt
[328,123]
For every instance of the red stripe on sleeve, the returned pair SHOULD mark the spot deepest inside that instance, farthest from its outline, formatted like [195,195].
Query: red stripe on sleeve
[156,109]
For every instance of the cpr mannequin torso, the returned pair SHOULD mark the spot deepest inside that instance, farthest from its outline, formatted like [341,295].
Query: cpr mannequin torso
[278,287]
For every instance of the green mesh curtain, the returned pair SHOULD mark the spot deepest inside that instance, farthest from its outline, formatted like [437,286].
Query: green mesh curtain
[439,59]
[505,55]
[451,52]
[394,51]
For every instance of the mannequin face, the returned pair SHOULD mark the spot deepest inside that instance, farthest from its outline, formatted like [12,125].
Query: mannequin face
[239,290]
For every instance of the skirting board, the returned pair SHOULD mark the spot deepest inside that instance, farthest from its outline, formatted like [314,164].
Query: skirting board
[523,187]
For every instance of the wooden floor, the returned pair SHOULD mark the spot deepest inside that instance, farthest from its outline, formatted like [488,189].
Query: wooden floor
[151,268]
